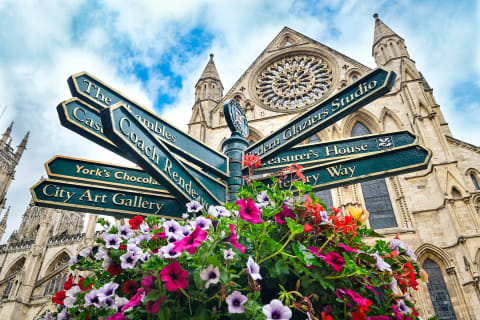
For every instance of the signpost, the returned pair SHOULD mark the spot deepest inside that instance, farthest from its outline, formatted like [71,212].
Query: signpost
[85,120]
[373,85]
[173,162]
[365,167]
[316,153]
[120,203]
[87,171]
[100,96]
[134,139]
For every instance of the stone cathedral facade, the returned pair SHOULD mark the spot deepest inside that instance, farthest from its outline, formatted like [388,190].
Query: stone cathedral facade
[436,210]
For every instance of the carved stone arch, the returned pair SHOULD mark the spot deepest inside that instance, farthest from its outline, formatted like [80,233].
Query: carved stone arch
[473,175]
[454,184]
[219,148]
[477,260]
[352,73]
[287,40]
[240,97]
[249,105]
[336,132]
[254,135]
[16,266]
[437,254]
[365,117]
[59,256]
[387,118]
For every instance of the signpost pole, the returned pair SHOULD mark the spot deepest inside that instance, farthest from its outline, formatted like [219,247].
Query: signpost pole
[233,148]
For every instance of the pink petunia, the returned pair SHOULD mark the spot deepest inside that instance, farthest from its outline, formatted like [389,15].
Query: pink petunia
[335,260]
[249,211]
[233,239]
[174,276]
[316,251]
[286,212]
[355,297]
[134,301]
[191,242]
[347,248]
[154,306]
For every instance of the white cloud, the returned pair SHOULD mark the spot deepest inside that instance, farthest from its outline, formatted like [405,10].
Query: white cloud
[45,42]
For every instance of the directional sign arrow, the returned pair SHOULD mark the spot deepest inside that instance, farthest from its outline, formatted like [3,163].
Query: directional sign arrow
[316,153]
[120,203]
[365,167]
[67,168]
[133,138]
[85,120]
[350,99]
[99,95]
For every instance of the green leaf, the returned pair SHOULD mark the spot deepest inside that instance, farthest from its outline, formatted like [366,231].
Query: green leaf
[153,295]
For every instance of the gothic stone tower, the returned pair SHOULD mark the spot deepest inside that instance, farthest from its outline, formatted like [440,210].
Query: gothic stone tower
[9,159]
[435,210]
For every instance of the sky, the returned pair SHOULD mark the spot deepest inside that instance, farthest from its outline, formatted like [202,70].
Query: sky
[154,52]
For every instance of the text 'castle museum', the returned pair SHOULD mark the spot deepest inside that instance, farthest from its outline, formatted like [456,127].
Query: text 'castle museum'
[437,211]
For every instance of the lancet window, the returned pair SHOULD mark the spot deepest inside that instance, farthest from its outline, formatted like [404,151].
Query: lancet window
[438,291]
[375,194]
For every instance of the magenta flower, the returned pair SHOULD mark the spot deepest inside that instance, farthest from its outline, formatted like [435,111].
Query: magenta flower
[148,283]
[154,306]
[335,260]
[398,315]
[117,316]
[135,300]
[234,241]
[174,276]
[286,212]
[191,242]
[347,248]
[316,251]
[249,211]
[355,297]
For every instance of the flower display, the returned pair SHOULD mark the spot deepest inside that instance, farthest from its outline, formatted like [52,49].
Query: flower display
[272,254]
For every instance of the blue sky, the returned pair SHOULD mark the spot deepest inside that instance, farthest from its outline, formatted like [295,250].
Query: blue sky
[154,52]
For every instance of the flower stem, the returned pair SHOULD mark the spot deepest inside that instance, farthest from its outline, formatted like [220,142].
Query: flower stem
[278,251]
[328,240]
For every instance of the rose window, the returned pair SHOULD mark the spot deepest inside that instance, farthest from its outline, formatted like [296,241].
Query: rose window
[294,83]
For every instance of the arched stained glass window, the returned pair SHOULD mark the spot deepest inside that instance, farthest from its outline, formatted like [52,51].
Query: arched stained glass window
[359,129]
[314,138]
[375,194]
[474,181]
[438,291]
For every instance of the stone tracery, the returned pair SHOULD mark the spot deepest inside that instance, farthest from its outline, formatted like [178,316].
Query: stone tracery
[294,82]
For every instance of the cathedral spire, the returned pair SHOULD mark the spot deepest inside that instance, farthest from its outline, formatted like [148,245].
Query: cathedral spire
[381,30]
[387,45]
[210,71]
[3,223]
[209,86]
[6,135]
[21,148]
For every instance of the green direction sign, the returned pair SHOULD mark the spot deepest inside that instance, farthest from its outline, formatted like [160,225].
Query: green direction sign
[67,168]
[85,120]
[366,167]
[100,96]
[133,138]
[120,203]
[373,85]
[321,152]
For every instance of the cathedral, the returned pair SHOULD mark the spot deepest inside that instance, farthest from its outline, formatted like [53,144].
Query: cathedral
[436,211]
